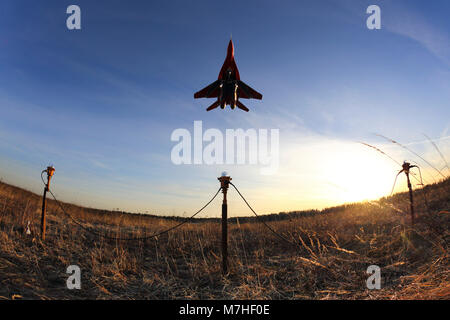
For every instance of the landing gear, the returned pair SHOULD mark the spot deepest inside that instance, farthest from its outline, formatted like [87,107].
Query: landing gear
[235,97]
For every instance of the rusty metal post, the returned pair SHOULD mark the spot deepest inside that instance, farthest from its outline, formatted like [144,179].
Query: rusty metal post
[406,167]
[224,183]
[411,201]
[49,171]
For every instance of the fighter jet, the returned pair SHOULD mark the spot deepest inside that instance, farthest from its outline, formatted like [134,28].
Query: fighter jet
[228,88]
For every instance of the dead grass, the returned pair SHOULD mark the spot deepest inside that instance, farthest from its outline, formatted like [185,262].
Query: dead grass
[335,247]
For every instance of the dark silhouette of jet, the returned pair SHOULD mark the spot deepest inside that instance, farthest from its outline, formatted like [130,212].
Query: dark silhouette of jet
[228,88]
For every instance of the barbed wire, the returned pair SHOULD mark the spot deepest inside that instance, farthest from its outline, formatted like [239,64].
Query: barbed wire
[134,238]
[421,183]
[395,180]
[263,222]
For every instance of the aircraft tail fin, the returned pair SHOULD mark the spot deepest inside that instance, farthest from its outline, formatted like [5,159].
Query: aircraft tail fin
[213,106]
[241,106]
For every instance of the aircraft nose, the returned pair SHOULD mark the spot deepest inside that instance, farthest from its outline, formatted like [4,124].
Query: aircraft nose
[230,50]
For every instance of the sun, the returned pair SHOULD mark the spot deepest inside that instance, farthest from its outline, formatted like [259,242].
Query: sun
[354,174]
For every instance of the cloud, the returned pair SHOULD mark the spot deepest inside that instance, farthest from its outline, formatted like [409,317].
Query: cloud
[413,25]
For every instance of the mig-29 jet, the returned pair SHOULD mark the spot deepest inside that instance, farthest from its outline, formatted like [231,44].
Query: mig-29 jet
[228,88]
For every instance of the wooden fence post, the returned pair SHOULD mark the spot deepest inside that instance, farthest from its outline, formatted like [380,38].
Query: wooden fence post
[49,171]
[406,167]
[224,183]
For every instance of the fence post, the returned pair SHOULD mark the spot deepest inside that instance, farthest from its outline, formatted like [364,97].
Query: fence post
[406,167]
[49,171]
[224,183]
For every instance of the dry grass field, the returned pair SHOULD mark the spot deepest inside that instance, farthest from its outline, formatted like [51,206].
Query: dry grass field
[334,248]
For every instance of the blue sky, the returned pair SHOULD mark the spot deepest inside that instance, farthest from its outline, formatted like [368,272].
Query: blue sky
[100,103]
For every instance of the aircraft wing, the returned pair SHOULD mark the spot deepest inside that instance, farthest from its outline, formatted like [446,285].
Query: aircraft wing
[245,92]
[211,91]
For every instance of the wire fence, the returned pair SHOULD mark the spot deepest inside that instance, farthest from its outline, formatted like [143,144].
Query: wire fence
[131,238]
[263,222]
[153,236]
[87,229]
